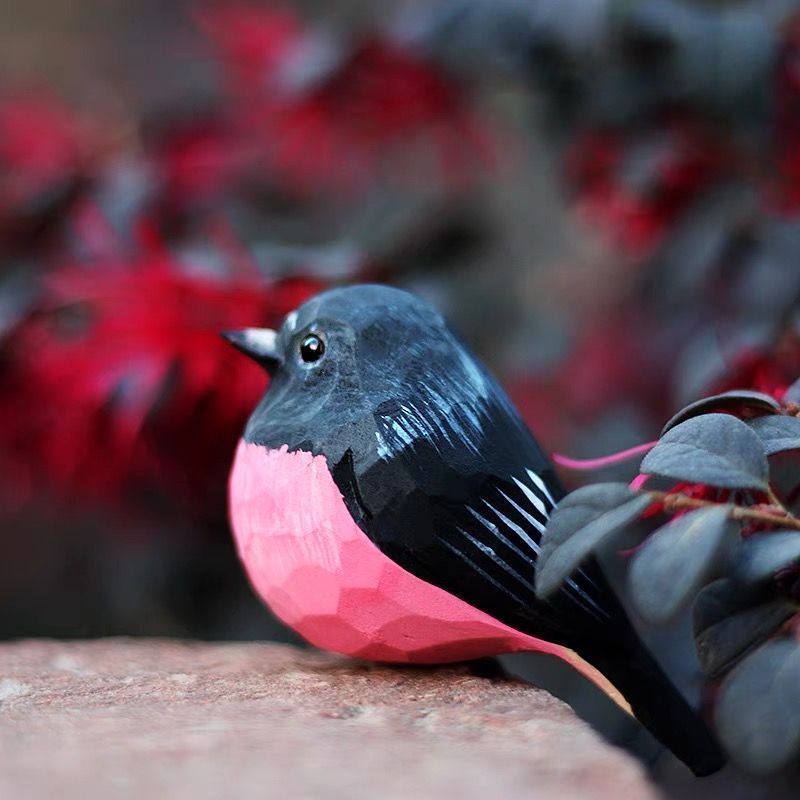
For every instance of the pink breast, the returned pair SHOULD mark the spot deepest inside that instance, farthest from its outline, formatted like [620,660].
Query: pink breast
[321,575]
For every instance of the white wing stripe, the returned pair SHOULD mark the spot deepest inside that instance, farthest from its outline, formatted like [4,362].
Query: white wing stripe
[534,498]
[514,527]
[488,551]
[492,528]
[540,484]
[533,521]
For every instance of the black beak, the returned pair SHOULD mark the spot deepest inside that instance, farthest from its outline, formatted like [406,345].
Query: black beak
[260,344]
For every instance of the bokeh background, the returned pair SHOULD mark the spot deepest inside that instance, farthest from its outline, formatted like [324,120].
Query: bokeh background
[602,196]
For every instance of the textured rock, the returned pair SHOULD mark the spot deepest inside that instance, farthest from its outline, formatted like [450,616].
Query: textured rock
[144,718]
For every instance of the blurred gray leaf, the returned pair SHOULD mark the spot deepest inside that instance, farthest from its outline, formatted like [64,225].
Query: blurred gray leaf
[715,449]
[758,712]
[738,399]
[707,357]
[18,291]
[777,433]
[729,60]
[699,242]
[672,565]
[583,521]
[474,34]
[759,557]
[770,282]
[698,365]
[793,393]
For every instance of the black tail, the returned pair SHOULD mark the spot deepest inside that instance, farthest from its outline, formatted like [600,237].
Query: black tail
[659,706]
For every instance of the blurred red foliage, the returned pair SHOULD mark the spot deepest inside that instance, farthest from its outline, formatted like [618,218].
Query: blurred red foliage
[43,157]
[198,164]
[253,43]
[635,185]
[322,116]
[771,370]
[120,361]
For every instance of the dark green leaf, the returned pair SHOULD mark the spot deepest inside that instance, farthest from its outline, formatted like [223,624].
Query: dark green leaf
[758,558]
[777,433]
[582,522]
[740,400]
[715,449]
[784,478]
[721,599]
[672,564]
[722,645]
[718,601]
[758,712]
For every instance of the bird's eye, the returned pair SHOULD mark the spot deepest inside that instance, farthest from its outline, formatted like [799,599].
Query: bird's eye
[312,348]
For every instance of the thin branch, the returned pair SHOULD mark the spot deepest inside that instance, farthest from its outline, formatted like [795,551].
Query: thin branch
[774,501]
[674,502]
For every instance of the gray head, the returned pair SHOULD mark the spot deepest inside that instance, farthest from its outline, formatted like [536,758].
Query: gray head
[369,369]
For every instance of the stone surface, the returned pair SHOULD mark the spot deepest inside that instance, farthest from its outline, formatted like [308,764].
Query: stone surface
[148,718]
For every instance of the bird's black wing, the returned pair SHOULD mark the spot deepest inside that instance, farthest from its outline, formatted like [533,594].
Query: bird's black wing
[462,503]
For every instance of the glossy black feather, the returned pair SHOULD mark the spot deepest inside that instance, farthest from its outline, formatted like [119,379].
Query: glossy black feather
[473,527]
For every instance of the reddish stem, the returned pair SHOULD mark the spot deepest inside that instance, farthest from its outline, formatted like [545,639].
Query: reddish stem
[603,461]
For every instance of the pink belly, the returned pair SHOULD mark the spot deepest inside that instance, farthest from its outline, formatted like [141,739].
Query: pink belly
[321,575]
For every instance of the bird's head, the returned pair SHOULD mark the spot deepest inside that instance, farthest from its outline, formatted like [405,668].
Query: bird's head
[367,368]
